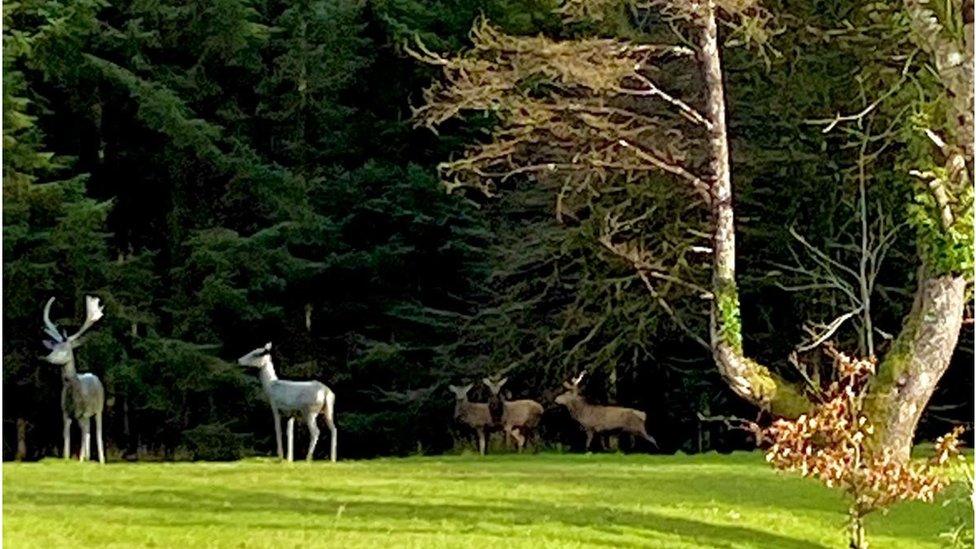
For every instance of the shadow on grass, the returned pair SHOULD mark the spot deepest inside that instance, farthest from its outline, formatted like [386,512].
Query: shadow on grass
[501,518]
[436,498]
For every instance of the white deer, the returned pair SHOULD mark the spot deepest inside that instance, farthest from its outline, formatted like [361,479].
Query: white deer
[307,399]
[82,395]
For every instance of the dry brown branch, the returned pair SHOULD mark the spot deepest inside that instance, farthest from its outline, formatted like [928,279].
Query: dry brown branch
[737,424]
[563,109]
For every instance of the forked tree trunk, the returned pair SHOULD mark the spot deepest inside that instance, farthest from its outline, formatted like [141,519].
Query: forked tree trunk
[921,353]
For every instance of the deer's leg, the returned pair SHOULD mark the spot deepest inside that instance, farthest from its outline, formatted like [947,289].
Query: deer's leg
[88,443]
[85,439]
[98,438]
[330,422]
[481,441]
[67,437]
[313,432]
[291,439]
[589,439]
[519,439]
[277,422]
[529,435]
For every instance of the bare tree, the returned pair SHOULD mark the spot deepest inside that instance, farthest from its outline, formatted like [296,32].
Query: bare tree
[848,269]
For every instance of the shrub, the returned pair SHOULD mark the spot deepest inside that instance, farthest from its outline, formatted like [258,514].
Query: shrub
[832,444]
[214,442]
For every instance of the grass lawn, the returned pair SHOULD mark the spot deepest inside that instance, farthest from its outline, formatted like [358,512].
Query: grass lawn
[545,500]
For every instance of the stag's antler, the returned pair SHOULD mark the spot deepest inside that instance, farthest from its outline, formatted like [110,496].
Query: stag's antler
[574,384]
[577,379]
[51,328]
[93,312]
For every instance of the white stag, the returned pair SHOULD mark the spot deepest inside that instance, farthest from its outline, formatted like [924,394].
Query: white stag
[307,399]
[82,395]
[598,419]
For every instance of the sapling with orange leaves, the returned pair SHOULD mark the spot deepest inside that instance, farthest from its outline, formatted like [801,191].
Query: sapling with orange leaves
[833,443]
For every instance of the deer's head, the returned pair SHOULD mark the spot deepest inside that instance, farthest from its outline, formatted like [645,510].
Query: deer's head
[257,358]
[494,386]
[572,390]
[60,343]
[460,393]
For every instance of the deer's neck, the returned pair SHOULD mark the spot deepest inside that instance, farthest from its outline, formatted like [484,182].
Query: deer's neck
[268,375]
[459,407]
[68,371]
[576,407]
[496,407]
[69,375]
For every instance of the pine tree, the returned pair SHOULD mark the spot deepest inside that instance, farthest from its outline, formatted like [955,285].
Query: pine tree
[54,242]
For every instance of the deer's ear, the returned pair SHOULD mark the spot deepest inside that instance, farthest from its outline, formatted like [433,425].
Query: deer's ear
[568,385]
[502,381]
[267,346]
[486,381]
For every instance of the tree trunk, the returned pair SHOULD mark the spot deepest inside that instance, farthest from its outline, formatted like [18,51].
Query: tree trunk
[921,353]
[749,379]
[916,362]
[21,454]
[953,61]
[859,539]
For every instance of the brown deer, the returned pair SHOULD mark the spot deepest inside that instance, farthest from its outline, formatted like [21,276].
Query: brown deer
[473,414]
[598,419]
[518,418]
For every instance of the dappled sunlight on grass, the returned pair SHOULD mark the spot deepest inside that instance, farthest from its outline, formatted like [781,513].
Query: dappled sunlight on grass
[524,501]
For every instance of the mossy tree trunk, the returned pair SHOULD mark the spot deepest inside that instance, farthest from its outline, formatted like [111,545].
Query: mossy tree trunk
[921,353]
[749,379]
[919,357]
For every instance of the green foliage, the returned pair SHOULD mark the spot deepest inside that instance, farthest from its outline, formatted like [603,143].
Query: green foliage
[53,233]
[727,306]
[944,250]
[231,172]
[214,442]
[259,190]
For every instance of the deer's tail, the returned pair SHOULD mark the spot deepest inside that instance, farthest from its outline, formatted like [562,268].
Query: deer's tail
[643,426]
